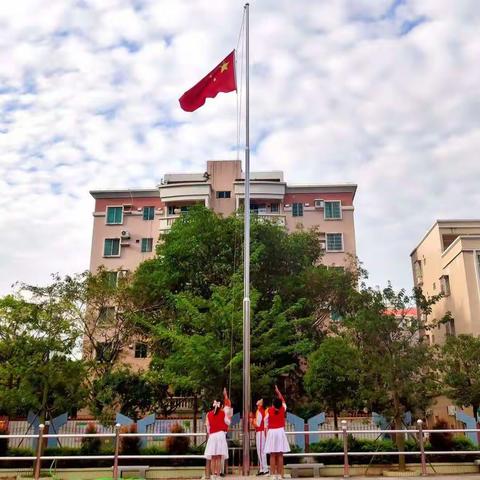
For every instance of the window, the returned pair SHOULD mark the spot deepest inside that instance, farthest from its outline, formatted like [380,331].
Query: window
[171,209]
[147,244]
[184,209]
[445,285]
[335,316]
[106,316]
[297,209]
[225,194]
[111,247]
[275,207]
[258,208]
[334,242]
[122,275]
[114,215]
[333,210]
[140,350]
[104,352]
[148,213]
[111,278]
[450,328]
[418,271]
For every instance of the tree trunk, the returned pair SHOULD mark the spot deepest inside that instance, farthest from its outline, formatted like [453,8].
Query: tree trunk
[399,437]
[475,407]
[335,421]
[195,415]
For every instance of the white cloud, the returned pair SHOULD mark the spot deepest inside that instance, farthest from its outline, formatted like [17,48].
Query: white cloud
[383,93]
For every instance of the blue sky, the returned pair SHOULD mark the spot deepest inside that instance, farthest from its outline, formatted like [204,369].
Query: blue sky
[382,93]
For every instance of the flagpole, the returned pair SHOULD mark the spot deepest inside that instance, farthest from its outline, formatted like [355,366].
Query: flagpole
[246,264]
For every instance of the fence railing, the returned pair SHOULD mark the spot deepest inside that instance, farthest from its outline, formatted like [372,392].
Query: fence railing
[116,435]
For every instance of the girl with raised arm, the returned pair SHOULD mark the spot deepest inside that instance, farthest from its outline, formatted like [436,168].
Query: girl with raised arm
[276,444]
[217,422]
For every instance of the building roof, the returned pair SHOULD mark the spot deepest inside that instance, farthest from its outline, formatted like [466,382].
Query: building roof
[135,193]
[446,223]
[312,187]
[185,178]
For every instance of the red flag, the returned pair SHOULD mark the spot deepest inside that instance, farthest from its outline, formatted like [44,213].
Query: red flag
[220,79]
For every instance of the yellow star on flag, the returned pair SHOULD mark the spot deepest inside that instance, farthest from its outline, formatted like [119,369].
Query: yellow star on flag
[223,67]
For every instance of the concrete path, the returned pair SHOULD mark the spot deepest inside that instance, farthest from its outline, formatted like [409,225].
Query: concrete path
[466,476]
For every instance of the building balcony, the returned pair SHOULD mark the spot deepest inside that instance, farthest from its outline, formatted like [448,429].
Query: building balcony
[260,189]
[167,222]
[185,192]
[277,218]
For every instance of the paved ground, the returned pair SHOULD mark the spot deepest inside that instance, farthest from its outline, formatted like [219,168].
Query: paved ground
[466,476]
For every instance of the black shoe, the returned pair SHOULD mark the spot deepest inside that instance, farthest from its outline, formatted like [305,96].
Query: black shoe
[259,474]
[222,474]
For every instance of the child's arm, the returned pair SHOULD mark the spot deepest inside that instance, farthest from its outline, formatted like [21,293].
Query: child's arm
[228,407]
[258,419]
[226,400]
[207,424]
[280,396]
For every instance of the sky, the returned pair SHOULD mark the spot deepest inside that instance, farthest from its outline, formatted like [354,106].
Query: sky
[381,93]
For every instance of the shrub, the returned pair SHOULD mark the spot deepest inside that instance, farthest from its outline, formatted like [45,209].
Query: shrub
[462,443]
[129,445]
[61,451]
[441,441]
[457,444]
[3,441]
[91,445]
[21,452]
[177,445]
[196,449]
[328,445]
[153,450]
[355,445]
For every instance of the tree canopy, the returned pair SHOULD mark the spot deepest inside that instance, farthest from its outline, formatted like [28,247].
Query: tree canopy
[460,368]
[192,294]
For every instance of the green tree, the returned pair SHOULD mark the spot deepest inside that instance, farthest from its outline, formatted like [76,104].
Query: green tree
[134,394]
[460,367]
[191,297]
[37,368]
[398,368]
[333,375]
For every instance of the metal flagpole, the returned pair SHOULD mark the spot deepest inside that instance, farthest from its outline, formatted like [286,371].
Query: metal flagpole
[246,265]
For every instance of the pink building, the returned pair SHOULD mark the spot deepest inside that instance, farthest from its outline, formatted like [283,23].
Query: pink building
[127,223]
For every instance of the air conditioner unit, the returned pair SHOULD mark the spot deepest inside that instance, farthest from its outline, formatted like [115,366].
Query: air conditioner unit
[323,245]
[451,410]
[127,207]
[319,203]
[287,205]
[307,204]
[125,234]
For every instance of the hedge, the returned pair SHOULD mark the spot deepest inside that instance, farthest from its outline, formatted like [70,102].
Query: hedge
[361,445]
